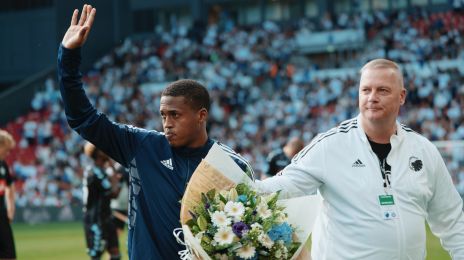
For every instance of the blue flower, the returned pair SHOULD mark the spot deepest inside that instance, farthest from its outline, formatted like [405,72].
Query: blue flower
[242,198]
[239,228]
[281,232]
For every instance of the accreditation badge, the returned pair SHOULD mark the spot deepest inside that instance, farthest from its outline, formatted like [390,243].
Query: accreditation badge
[388,207]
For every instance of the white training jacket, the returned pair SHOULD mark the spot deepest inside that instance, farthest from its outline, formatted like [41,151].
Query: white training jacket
[341,164]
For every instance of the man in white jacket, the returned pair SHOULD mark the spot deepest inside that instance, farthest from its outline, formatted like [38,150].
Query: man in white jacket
[379,179]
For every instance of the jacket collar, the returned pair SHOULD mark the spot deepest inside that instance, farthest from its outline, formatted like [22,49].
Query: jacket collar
[394,139]
[201,151]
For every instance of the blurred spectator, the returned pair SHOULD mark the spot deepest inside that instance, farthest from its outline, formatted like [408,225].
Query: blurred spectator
[281,157]
[119,205]
[99,188]
[262,90]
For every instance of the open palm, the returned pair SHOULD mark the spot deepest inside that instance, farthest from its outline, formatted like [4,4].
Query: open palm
[77,33]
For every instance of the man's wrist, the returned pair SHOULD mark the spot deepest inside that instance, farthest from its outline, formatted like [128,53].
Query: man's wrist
[69,59]
[69,51]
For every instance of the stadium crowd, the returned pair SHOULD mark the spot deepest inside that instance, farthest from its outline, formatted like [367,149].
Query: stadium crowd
[260,93]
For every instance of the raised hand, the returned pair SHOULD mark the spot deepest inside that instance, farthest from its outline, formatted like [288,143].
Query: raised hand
[77,33]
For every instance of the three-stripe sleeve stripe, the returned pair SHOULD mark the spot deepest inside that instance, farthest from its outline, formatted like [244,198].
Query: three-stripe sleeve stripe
[237,156]
[344,127]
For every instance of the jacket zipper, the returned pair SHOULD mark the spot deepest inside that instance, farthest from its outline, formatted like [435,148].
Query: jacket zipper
[398,222]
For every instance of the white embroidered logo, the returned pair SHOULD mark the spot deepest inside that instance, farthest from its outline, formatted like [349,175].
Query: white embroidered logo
[167,163]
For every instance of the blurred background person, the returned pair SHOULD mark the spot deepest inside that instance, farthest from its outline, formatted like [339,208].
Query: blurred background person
[279,158]
[99,188]
[7,199]
[119,205]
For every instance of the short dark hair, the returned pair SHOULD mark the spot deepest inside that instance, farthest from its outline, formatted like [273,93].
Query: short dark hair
[193,91]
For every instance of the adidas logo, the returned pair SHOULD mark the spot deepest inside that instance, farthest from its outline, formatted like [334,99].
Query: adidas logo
[358,163]
[167,163]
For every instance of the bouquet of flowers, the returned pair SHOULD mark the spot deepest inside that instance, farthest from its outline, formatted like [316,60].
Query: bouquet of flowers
[223,217]
[240,223]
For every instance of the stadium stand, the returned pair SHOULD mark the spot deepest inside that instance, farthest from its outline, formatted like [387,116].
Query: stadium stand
[264,89]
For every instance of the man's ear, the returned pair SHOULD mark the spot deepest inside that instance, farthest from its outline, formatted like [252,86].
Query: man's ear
[403,96]
[202,115]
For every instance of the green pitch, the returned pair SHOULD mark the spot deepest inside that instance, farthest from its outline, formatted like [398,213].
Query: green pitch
[55,241]
[58,241]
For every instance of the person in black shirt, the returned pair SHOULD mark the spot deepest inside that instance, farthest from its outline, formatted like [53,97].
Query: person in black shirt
[7,191]
[99,189]
[119,205]
[278,159]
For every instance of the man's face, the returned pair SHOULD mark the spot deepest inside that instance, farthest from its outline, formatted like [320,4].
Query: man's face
[181,123]
[380,95]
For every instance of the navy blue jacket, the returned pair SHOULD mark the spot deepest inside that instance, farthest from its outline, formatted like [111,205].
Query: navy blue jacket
[158,172]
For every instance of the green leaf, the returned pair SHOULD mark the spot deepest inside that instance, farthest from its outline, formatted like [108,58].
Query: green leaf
[253,201]
[206,239]
[204,199]
[201,211]
[208,247]
[191,222]
[224,200]
[263,253]
[267,225]
[211,194]
[272,202]
[195,229]
[242,188]
[202,223]
[293,247]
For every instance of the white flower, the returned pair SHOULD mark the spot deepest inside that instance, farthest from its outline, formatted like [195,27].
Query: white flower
[246,252]
[234,209]
[263,211]
[256,226]
[281,218]
[266,241]
[220,219]
[285,253]
[224,236]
